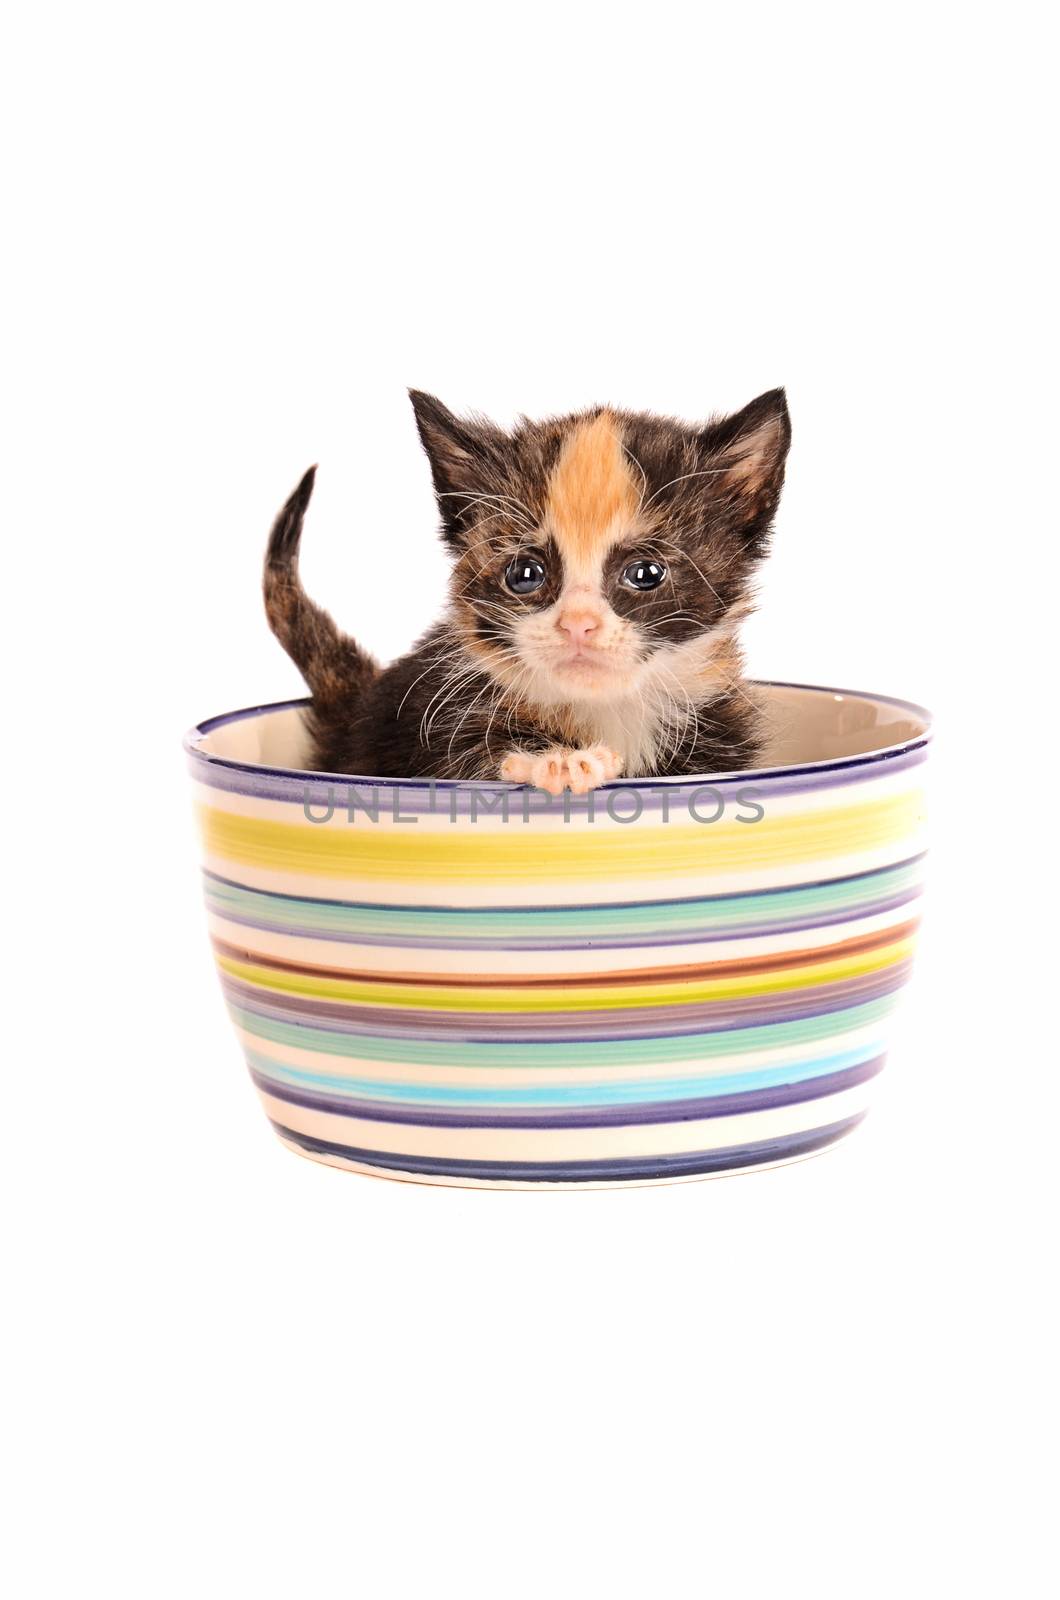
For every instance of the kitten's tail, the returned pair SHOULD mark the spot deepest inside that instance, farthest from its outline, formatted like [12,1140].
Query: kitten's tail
[332,664]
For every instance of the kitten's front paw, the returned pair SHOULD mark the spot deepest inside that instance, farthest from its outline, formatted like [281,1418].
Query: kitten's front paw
[560,768]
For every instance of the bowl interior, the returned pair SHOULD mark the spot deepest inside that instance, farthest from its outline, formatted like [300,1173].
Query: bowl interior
[804,725]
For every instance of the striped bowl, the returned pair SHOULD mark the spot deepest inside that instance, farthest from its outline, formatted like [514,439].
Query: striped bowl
[482,985]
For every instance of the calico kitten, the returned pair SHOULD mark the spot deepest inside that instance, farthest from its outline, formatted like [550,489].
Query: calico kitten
[601,568]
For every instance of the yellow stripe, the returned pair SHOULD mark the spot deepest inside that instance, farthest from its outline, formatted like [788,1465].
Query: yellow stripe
[565,997]
[368,851]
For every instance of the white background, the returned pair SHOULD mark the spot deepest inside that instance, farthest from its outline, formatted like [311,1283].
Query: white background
[234,235]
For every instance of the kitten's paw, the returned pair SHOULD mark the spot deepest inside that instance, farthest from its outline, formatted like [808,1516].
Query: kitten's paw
[561,768]
[586,769]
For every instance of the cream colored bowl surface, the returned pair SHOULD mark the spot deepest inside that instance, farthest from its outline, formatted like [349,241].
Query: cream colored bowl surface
[479,984]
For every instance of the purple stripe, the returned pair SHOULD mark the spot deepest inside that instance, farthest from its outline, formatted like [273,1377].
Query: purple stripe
[634,1022]
[615,1116]
[470,912]
[278,783]
[615,1168]
[321,789]
[589,941]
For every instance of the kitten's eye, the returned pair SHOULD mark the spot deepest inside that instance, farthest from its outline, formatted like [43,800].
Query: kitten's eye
[524,574]
[644,574]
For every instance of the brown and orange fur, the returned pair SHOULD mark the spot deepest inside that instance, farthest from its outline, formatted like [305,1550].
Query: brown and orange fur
[586,676]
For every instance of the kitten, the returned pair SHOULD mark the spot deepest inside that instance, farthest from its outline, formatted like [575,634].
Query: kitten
[601,568]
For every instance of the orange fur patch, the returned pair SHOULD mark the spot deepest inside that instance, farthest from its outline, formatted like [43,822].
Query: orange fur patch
[592,496]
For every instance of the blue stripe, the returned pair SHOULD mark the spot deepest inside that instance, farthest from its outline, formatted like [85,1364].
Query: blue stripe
[598,1116]
[612,1169]
[626,1091]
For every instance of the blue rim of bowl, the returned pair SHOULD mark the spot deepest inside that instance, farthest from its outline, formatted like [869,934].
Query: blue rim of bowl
[866,758]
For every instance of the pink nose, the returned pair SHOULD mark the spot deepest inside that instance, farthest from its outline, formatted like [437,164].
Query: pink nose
[579,625]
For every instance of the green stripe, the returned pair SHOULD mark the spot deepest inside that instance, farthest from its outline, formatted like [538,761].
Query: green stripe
[716,915]
[604,1053]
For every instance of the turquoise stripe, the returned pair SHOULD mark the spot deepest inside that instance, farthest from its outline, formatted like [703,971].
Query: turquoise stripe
[717,915]
[644,1090]
[604,1053]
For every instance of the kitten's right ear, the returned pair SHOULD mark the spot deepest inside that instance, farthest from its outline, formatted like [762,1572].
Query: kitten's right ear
[466,456]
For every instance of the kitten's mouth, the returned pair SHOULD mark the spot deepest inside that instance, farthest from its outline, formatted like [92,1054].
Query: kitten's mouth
[587,669]
[583,661]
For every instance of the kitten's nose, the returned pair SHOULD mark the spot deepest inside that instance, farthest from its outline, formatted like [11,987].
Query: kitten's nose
[578,625]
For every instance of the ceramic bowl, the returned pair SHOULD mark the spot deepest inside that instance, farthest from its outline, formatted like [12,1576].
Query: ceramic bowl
[481,985]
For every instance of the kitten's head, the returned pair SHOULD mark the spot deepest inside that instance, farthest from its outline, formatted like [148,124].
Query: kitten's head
[604,552]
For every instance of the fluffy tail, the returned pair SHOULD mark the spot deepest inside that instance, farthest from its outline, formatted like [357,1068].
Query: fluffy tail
[332,664]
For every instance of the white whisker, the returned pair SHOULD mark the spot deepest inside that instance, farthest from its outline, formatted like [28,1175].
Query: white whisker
[710,472]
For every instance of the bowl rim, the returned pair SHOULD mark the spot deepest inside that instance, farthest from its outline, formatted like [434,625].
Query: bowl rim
[194,735]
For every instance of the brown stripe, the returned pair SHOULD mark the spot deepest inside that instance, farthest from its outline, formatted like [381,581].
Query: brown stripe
[747,966]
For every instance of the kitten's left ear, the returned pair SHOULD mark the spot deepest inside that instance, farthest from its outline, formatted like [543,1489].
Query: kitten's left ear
[747,451]
[466,456]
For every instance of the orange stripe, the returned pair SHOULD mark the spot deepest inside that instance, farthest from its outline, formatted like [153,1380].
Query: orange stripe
[746,966]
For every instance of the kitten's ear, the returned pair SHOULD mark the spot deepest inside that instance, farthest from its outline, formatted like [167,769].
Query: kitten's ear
[747,452]
[466,455]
